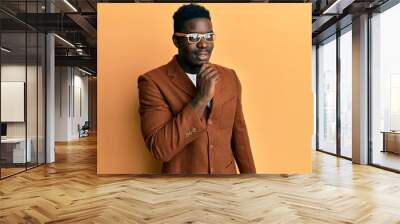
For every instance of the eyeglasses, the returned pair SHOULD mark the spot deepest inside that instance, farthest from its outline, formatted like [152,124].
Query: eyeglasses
[194,38]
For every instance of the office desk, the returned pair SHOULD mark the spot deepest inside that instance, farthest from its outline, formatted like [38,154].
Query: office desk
[391,141]
[13,150]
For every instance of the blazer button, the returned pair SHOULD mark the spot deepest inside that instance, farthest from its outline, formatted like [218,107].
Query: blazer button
[211,146]
[210,121]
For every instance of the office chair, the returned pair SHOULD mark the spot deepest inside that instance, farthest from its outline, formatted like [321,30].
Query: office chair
[84,130]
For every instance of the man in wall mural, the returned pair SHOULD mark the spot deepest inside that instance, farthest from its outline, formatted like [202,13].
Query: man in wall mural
[191,111]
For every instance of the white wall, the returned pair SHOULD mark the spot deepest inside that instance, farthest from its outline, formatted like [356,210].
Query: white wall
[71,93]
[81,103]
[62,80]
[33,127]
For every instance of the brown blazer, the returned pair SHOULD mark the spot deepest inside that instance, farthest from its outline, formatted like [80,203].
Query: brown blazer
[185,143]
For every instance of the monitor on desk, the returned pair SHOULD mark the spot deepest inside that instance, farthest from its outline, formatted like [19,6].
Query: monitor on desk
[3,130]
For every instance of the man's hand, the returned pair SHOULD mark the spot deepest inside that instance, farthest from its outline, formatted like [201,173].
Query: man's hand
[205,82]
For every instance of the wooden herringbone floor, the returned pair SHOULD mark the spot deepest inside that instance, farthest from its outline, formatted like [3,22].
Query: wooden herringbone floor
[69,191]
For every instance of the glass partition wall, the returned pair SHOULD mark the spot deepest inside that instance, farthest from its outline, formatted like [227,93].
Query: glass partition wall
[22,88]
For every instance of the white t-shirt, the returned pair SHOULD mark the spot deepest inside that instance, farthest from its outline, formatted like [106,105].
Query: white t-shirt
[192,77]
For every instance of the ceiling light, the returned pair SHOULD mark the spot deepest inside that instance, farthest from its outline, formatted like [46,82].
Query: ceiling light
[5,50]
[64,40]
[84,71]
[337,7]
[71,6]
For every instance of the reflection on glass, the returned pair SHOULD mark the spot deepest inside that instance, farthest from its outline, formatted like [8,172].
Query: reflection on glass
[22,90]
[346,94]
[386,89]
[14,153]
[327,96]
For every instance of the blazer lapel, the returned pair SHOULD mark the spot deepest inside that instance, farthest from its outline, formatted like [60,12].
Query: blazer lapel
[216,101]
[180,79]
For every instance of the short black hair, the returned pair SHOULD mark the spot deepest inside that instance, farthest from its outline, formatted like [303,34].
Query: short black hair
[188,12]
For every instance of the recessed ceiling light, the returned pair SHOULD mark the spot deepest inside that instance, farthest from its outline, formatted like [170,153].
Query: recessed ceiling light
[5,50]
[71,6]
[337,7]
[84,71]
[64,40]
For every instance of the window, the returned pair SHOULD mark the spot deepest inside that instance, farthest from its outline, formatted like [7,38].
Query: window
[327,95]
[385,88]
[346,93]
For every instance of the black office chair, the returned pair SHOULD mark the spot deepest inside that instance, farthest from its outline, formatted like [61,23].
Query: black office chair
[84,130]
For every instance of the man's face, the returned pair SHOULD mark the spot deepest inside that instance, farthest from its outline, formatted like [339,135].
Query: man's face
[195,54]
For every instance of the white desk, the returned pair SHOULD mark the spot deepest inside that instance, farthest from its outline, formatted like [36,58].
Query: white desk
[18,149]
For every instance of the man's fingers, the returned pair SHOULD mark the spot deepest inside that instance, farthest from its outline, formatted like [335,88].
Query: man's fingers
[210,75]
[204,72]
[215,77]
[207,70]
[203,66]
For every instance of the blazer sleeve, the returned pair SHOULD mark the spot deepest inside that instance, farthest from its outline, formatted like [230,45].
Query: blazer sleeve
[240,142]
[164,134]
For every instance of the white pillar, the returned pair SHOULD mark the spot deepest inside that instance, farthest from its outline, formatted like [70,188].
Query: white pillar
[360,90]
[50,92]
[50,99]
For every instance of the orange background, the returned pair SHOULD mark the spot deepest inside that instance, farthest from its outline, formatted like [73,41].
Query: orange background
[268,45]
